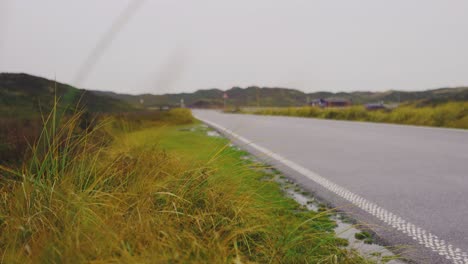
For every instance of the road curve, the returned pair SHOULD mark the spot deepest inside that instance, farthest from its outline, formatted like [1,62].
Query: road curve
[409,184]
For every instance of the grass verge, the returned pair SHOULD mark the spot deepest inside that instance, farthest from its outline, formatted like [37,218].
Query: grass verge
[157,191]
[453,115]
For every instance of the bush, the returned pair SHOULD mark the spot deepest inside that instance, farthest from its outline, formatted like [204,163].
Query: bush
[16,136]
[180,116]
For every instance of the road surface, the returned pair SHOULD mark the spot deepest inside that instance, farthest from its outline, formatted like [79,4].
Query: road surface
[409,184]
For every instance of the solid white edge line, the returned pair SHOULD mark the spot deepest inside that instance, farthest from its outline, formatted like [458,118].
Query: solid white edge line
[429,240]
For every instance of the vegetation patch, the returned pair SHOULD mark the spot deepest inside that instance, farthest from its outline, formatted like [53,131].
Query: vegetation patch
[452,114]
[139,189]
[364,236]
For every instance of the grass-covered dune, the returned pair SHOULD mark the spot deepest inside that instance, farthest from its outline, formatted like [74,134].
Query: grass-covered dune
[24,96]
[453,114]
[282,97]
[151,189]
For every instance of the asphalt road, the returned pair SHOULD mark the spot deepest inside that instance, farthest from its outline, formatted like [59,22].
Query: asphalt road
[409,184]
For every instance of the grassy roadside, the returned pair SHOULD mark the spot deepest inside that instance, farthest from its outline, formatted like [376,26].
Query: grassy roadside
[453,115]
[158,192]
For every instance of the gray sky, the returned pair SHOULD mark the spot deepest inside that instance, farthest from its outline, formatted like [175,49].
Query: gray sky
[174,46]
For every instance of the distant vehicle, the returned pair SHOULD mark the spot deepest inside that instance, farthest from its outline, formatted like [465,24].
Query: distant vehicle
[331,102]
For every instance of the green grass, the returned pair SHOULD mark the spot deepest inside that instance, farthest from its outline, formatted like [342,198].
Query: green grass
[156,189]
[365,236]
[453,114]
[290,236]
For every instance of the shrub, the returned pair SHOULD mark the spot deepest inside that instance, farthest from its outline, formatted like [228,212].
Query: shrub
[180,116]
[16,136]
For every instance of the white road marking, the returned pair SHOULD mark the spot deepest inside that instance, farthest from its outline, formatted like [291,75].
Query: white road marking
[429,240]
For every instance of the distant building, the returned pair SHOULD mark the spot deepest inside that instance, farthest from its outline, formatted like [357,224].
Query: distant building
[331,102]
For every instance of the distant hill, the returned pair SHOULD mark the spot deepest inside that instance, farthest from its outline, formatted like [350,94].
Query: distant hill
[211,97]
[434,96]
[24,95]
[214,97]
[264,96]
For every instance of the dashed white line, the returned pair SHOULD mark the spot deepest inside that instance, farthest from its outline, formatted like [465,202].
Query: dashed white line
[423,237]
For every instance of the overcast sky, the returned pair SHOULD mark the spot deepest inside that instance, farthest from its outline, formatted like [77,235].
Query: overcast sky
[174,46]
